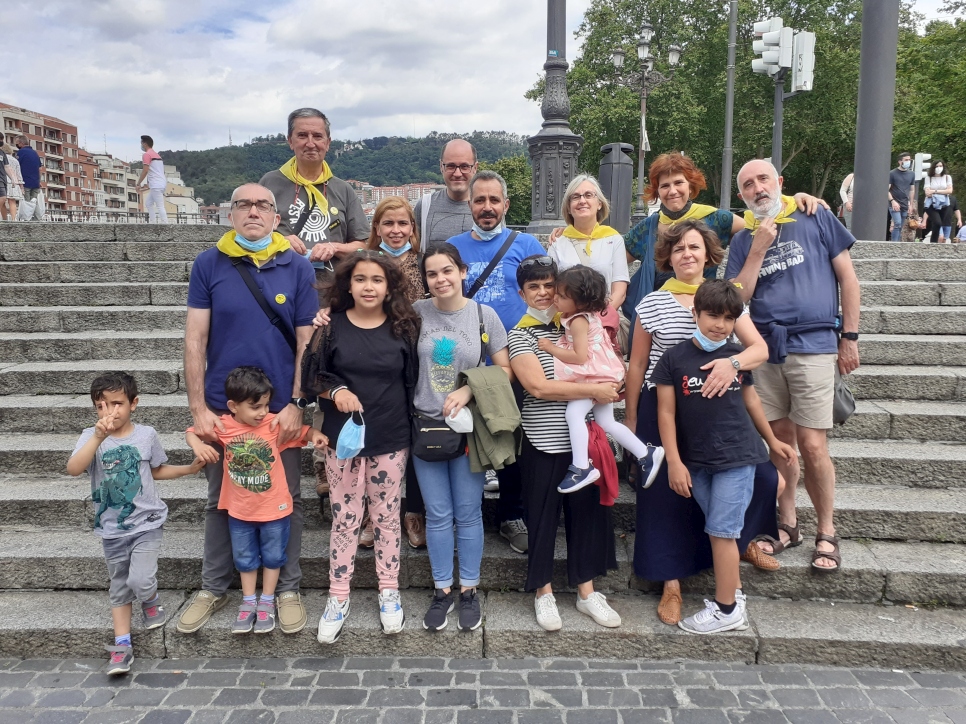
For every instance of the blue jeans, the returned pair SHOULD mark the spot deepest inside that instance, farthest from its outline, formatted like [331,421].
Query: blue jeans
[258,544]
[452,493]
[723,497]
[898,219]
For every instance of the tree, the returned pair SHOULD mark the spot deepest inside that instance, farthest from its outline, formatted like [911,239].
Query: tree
[516,171]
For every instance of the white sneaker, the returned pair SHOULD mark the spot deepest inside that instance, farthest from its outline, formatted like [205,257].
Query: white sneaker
[711,620]
[595,606]
[492,483]
[391,614]
[742,600]
[332,621]
[547,616]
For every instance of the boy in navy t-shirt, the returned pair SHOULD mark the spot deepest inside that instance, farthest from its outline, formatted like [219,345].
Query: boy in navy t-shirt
[711,445]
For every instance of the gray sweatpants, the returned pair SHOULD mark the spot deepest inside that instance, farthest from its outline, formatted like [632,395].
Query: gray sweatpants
[217,566]
[132,564]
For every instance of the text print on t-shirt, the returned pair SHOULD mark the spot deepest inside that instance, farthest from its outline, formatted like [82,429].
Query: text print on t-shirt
[694,385]
[315,226]
[781,256]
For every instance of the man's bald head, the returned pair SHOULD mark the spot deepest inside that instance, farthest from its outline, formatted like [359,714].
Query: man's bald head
[760,187]
[244,188]
[457,163]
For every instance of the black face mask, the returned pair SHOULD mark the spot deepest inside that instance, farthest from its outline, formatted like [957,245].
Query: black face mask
[675,215]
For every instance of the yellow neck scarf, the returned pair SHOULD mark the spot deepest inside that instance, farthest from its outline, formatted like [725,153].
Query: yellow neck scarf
[290,171]
[599,232]
[676,286]
[227,245]
[789,207]
[531,321]
[697,211]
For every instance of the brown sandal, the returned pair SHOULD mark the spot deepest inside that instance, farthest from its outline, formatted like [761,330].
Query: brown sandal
[669,609]
[759,559]
[832,555]
[794,539]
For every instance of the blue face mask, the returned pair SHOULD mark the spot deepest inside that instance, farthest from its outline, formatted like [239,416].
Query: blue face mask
[352,438]
[488,235]
[706,344]
[257,245]
[395,252]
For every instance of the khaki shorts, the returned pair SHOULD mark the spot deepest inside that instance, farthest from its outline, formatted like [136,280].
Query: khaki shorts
[802,389]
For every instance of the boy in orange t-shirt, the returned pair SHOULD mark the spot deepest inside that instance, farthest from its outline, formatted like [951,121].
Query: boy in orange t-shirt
[255,493]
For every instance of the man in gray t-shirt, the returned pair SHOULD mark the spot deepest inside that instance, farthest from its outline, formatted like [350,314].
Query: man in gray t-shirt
[449,211]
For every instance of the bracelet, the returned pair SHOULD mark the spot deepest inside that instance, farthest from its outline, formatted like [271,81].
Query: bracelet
[336,390]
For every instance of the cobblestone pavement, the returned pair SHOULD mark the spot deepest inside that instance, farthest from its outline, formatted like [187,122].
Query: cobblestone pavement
[456,691]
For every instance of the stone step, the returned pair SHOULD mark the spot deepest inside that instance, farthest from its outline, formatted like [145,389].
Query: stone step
[91,318]
[891,250]
[41,272]
[162,344]
[950,269]
[106,294]
[903,294]
[891,382]
[98,251]
[76,233]
[51,558]
[74,377]
[76,624]
[905,420]
[59,413]
[912,349]
[913,320]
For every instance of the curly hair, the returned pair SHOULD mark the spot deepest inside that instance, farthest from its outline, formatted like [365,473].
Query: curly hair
[666,242]
[392,203]
[674,162]
[585,286]
[405,321]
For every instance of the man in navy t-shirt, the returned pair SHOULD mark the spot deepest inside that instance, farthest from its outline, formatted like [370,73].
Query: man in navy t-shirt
[227,328]
[791,267]
[29,168]
[488,205]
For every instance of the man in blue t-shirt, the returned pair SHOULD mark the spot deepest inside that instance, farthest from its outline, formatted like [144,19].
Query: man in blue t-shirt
[478,247]
[29,168]
[227,328]
[791,267]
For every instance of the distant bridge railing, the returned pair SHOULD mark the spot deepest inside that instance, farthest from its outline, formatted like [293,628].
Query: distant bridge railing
[123,217]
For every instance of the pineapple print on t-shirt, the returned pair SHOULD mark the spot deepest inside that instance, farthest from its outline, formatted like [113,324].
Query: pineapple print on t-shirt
[442,375]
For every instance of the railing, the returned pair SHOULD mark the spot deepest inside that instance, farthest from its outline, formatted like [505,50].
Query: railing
[102,216]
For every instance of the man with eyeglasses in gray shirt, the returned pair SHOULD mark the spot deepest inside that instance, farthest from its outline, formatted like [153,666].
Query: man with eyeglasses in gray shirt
[446,213]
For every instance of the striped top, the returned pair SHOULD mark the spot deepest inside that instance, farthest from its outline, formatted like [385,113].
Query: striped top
[668,323]
[544,421]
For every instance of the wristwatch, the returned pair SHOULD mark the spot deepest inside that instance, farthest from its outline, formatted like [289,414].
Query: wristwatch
[854,336]
[299,402]
[735,363]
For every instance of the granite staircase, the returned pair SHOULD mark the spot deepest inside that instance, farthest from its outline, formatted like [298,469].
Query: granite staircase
[76,300]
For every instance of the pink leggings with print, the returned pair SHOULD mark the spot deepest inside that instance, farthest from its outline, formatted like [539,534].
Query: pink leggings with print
[350,483]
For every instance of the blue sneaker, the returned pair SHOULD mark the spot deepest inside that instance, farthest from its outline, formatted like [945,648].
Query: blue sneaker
[578,478]
[650,464]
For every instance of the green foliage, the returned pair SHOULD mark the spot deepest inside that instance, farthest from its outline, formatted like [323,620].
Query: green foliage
[516,171]
[381,161]
[687,112]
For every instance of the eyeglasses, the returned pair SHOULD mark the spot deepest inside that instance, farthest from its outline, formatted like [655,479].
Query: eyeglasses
[536,261]
[463,167]
[586,196]
[245,205]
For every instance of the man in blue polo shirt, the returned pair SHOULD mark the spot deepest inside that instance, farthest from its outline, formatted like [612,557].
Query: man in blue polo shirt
[227,328]
[488,205]
[29,168]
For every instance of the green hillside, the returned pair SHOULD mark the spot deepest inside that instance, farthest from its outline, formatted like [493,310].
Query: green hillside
[381,161]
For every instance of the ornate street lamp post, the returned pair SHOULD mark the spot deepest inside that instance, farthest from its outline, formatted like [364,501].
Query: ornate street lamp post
[647,79]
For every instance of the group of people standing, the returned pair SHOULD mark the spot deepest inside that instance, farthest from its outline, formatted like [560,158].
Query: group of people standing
[19,176]
[446,345]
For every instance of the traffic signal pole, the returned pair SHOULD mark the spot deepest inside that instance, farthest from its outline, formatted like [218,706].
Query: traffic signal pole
[778,121]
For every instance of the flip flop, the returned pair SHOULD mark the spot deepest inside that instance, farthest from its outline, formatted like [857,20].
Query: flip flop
[832,555]
[794,539]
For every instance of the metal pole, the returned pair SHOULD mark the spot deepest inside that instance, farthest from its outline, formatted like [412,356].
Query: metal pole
[776,130]
[639,209]
[873,138]
[724,201]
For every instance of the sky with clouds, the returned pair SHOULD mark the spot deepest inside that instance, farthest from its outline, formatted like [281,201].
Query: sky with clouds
[187,71]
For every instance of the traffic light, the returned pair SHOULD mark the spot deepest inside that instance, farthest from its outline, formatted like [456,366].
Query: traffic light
[774,46]
[803,61]
[921,166]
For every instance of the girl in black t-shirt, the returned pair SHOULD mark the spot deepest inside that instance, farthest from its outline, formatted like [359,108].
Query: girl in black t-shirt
[362,365]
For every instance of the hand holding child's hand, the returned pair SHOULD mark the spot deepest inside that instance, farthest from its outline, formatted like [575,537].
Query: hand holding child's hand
[197,464]
[206,453]
[318,439]
[679,478]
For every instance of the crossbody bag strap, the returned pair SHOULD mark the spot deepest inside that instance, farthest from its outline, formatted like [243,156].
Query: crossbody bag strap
[484,337]
[481,279]
[277,322]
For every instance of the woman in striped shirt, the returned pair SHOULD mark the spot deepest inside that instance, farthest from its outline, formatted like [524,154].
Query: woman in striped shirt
[670,542]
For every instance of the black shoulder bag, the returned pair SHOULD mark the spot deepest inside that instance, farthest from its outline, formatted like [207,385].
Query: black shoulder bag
[481,279]
[288,334]
[433,440]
